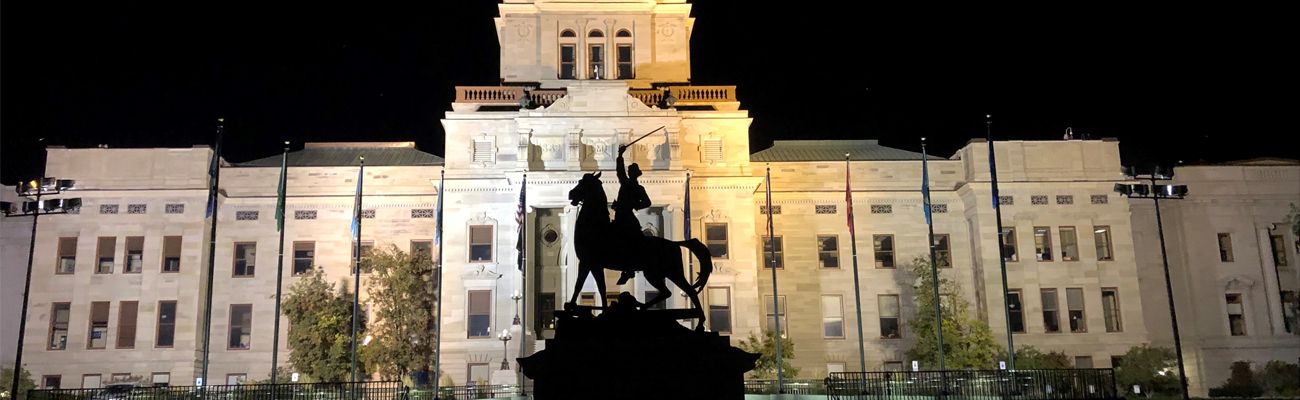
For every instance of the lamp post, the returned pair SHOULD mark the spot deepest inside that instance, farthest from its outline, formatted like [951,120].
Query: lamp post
[35,190]
[1156,192]
[516,296]
[505,337]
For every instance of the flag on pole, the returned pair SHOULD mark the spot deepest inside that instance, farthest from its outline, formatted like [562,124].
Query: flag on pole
[848,192]
[994,172]
[279,194]
[442,193]
[356,208]
[213,169]
[519,221]
[925,185]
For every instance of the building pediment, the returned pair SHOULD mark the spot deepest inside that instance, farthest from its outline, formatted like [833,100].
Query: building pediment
[597,97]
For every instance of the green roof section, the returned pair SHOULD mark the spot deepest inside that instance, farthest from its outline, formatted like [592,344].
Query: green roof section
[831,150]
[377,154]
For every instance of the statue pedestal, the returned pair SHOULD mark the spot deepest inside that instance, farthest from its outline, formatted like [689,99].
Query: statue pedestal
[627,353]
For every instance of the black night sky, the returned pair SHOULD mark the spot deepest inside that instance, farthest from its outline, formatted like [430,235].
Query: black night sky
[1171,82]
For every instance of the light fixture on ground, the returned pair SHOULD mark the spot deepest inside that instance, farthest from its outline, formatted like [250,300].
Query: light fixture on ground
[516,296]
[505,337]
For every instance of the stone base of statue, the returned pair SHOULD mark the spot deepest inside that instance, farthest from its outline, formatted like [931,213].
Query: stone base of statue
[626,353]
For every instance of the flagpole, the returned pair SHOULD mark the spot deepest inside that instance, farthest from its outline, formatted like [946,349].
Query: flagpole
[356,271]
[1002,258]
[934,264]
[523,274]
[279,268]
[437,334]
[215,172]
[853,240]
[776,299]
[690,261]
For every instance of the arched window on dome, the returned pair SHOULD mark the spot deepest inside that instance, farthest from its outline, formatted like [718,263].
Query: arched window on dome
[623,33]
[595,33]
[568,33]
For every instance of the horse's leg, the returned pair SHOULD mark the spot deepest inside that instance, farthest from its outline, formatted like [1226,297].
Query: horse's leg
[664,292]
[583,270]
[599,274]
[679,278]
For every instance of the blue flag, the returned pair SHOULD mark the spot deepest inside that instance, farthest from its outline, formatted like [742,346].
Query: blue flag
[925,186]
[356,208]
[442,193]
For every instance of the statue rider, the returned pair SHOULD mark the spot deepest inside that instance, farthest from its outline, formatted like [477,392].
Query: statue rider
[631,197]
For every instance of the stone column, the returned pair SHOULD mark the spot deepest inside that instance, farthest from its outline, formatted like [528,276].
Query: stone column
[1272,295]
[522,153]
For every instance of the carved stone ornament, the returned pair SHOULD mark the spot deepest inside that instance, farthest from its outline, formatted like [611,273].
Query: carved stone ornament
[603,147]
[552,146]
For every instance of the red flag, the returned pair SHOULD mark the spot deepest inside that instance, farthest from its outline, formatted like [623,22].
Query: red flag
[848,194]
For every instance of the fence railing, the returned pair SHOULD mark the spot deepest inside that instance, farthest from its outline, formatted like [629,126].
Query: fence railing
[386,390]
[470,392]
[1008,385]
[791,387]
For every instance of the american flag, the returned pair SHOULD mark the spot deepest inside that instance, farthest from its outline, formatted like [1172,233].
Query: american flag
[848,192]
[519,221]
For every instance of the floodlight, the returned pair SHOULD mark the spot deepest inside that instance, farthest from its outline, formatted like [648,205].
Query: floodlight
[1179,191]
[1141,190]
[52,204]
[48,183]
[1128,171]
[6,207]
[66,184]
[30,206]
[1123,189]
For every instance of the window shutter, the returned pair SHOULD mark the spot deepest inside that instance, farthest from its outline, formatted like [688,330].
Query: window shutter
[712,150]
[482,151]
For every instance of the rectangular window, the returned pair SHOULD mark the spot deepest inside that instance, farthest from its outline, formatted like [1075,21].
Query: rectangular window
[1102,235]
[97,338]
[625,62]
[91,381]
[1009,245]
[596,61]
[650,294]
[166,324]
[479,374]
[828,251]
[774,315]
[422,249]
[304,256]
[241,326]
[835,367]
[480,313]
[1278,245]
[1110,309]
[236,379]
[942,252]
[245,259]
[126,319]
[134,255]
[715,236]
[887,306]
[1225,247]
[773,253]
[1074,302]
[1051,311]
[546,312]
[587,299]
[894,366]
[1083,362]
[1069,244]
[480,244]
[52,381]
[161,379]
[104,255]
[1043,243]
[1290,311]
[832,317]
[1236,315]
[884,248]
[59,317]
[568,62]
[1016,311]
[171,254]
[67,256]
[367,246]
[720,309]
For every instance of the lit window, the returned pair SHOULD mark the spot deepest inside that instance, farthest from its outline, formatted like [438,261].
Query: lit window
[480,313]
[1051,311]
[245,259]
[1074,300]
[596,61]
[832,316]
[887,306]
[1102,235]
[1110,308]
[98,337]
[1043,243]
[715,236]
[883,246]
[1016,310]
[773,253]
[720,309]
[480,243]
[241,326]
[1069,244]
[828,251]
[1236,315]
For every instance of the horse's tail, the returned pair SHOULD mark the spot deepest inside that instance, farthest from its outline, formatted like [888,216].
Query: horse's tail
[701,253]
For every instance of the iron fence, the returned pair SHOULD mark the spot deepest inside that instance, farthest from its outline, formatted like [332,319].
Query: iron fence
[469,392]
[791,387]
[387,390]
[1047,384]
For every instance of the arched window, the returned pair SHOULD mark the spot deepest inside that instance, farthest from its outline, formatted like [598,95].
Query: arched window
[623,33]
[596,33]
[568,33]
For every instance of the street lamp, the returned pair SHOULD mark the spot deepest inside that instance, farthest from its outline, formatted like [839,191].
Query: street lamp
[35,190]
[505,337]
[516,296]
[1155,192]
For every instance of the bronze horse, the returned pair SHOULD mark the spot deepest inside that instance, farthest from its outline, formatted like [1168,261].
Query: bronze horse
[599,246]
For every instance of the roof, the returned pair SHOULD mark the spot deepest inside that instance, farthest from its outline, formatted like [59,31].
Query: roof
[831,150]
[380,154]
[1262,162]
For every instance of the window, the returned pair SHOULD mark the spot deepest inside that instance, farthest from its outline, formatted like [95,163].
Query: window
[835,367]
[587,299]
[1100,199]
[596,61]
[108,208]
[480,243]
[422,249]
[546,312]
[1225,247]
[134,255]
[1116,361]
[1009,245]
[720,309]
[650,294]
[97,338]
[595,33]
[884,248]
[245,259]
[1064,199]
[67,256]
[623,33]
[942,252]
[1279,250]
[91,381]
[51,381]
[1290,311]
[166,324]
[715,236]
[1110,309]
[236,379]
[774,315]
[568,61]
[1037,200]
[423,213]
[367,246]
[304,214]
[104,255]
[1016,311]
[59,317]
[1074,300]
[832,317]
[478,374]
[171,254]
[1236,315]
[370,214]
[764,209]
[828,251]
[887,306]
[1006,200]
[126,319]
[896,366]
[882,208]
[773,253]
[246,215]
[825,209]
[482,151]
[624,61]
[137,208]
[174,209]
[480,313]
[161,379]
[568,33]
[304,255]
[1051,311]
[1102,235]
[1083,362]
[241,326]
[1069,244]
[1043,243]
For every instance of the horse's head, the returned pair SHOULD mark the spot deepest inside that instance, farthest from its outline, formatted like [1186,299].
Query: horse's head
[588,183]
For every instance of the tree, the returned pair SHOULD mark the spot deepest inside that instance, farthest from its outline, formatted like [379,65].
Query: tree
[401,288]
[1280,378]
[320,333]
[1029,357]
[765,368]
[25,383]
[967,341]
[1149,368]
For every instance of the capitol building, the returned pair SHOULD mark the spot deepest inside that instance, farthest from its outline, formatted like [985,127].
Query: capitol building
[118,288]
